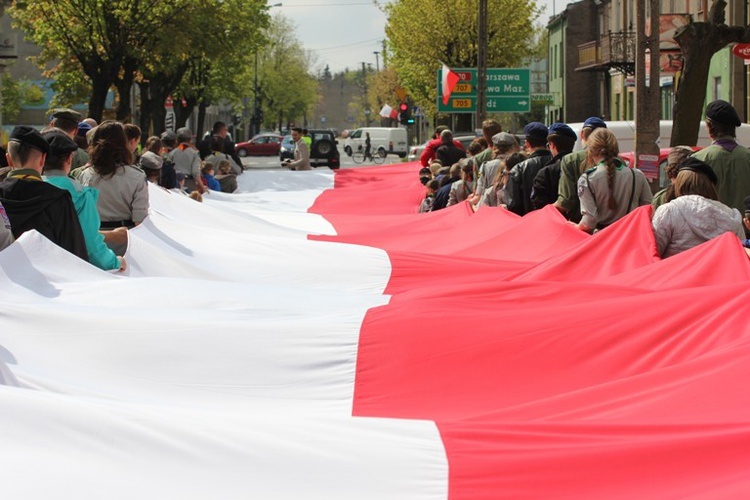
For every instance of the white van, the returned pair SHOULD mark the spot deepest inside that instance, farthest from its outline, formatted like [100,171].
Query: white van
[387,140]
[625,133]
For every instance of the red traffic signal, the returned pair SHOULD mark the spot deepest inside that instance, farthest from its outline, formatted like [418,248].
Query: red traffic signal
[403,107]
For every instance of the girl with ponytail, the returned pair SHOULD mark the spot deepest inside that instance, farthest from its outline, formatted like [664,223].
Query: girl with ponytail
[608,190]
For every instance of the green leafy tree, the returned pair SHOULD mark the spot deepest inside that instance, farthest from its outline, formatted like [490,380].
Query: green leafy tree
[422,32]
[287,88]
[106,39]
[16,93]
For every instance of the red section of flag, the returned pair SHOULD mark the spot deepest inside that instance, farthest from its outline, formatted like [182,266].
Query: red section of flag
[450,80]
[555,364]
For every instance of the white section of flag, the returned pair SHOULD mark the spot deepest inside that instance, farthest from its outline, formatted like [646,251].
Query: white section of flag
[221,367]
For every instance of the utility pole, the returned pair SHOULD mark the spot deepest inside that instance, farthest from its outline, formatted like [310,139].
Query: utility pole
[365,102]
[648,91]
[481,63]
[377,61]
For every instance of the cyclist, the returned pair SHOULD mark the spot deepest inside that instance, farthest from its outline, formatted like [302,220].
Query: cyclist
[368,154]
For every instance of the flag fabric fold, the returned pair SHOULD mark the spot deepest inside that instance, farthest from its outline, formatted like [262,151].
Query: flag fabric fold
[313,336]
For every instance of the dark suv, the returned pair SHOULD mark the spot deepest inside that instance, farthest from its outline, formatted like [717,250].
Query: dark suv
[323,150]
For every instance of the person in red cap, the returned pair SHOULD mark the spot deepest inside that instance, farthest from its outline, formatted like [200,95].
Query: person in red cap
[32,203]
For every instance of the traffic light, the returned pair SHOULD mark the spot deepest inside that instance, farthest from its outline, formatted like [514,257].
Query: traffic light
[404,114]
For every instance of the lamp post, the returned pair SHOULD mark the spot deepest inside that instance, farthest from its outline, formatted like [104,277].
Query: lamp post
[256,104]
[377,60]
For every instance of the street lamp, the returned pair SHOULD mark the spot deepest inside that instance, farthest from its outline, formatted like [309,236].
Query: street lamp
[256,106]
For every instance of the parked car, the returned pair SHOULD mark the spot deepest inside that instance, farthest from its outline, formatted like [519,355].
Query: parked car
[287,148]
[260,145]
[323,150]
[416,151]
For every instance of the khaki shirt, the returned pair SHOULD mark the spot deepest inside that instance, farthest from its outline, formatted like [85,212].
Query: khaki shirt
[301,156]
[6,236]
[631,190]
[122,196]
[186,161]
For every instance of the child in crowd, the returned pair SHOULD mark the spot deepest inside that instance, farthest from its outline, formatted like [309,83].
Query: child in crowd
[226,177]
[425,175]
[430,188]
[207,175]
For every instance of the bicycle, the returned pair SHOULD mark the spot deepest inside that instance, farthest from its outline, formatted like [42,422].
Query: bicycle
[377,157]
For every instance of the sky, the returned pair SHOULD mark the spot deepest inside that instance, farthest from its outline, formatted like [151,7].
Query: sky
[346,33]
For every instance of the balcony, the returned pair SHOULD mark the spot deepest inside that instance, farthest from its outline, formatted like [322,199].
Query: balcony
[612,50]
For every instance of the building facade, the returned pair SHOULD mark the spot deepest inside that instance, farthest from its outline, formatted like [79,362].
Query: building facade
[610,54]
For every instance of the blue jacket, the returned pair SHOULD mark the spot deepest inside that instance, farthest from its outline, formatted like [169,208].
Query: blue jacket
[84,199]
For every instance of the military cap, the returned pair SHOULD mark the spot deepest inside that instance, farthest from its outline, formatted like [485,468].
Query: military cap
[562,129]
[151,160]
[503,139]
[60,144]
[66,114]
[536,129]
[594,122]
[83,128]
[723,112]
[695,165]
[23,134]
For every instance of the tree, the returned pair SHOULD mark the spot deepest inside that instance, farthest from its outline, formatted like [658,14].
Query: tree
[422,32]
[16,93]
[287,89]
[699,42]
[104,38]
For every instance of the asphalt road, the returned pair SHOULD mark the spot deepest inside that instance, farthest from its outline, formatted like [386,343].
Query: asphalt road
[272,162]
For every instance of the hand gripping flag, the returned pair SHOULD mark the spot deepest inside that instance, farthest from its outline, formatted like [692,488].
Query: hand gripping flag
[449,80]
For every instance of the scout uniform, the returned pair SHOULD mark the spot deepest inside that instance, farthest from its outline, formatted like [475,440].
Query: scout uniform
[631,190]
[31,203]
[729,160]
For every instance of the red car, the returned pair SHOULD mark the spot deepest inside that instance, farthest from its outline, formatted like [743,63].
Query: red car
[663,155]
[260,145]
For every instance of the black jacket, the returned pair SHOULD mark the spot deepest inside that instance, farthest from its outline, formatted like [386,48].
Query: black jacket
[546,182]
[520,182]
[35,204]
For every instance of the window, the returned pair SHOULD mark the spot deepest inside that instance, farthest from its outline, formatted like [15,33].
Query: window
[717,88]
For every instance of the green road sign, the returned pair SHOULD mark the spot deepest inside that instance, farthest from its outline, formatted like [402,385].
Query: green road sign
[508,104]
[507,90]
[507,82]
[543,98]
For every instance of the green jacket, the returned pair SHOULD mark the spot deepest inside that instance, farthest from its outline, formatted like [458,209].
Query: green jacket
[733,170]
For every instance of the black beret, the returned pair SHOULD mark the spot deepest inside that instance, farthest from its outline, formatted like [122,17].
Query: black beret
[695,165]
[66,114]
[723,112]
[536,129]
[60,143]
[30,136]
[562,129]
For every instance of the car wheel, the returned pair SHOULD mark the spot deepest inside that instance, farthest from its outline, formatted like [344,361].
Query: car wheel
[242,153]
[323,148]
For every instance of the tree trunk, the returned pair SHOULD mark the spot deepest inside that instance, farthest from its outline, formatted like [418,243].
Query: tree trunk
[97,101]
[201,119]
[688,106]
[183,113]
[124,84]
[699,42]
[145,118]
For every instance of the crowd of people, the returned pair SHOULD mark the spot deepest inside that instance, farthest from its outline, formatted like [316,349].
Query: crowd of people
[83,185]
[593,188]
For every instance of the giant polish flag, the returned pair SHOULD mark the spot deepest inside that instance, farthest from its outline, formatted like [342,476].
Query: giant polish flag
[314,337]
